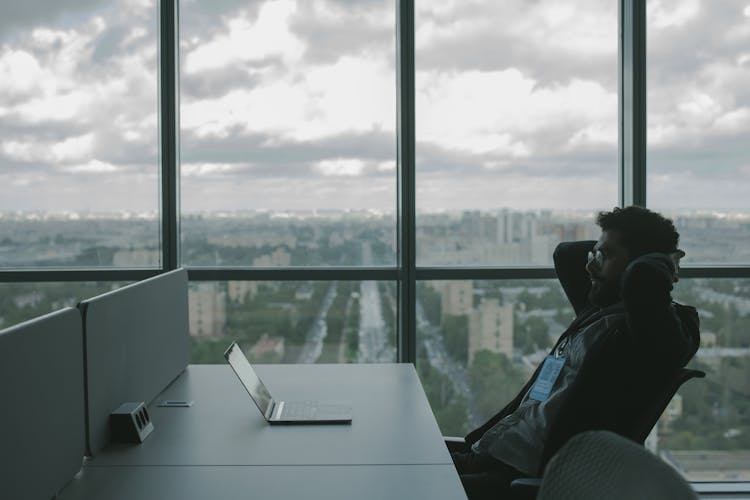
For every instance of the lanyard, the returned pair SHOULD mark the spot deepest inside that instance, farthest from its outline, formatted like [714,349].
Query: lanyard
[561,348]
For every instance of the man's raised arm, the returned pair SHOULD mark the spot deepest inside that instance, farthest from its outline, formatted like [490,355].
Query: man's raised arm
[570,265]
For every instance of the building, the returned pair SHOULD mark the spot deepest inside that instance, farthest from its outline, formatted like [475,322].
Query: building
[491,328]
[207,304]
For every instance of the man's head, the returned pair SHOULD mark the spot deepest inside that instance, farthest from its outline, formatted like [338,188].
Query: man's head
[627,233]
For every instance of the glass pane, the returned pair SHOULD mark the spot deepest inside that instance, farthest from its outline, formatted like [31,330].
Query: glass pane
[79,178]
[479,341]
[294,322]
[24,301]
[266,239]
[516,126]
[288,140]
[698,123]
[705,431]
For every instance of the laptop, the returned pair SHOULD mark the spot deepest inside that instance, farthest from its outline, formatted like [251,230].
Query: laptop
[283,412]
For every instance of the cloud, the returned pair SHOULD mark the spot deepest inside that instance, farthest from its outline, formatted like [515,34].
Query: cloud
[93,167]
[350,95]
[263,148]
[267,36]
[18,16]
[507,114]
[346,167]
[550,43]
[672,13]
[78,100]
[68,150]
[331,30]
[289,193]
[292,104]
[19,73]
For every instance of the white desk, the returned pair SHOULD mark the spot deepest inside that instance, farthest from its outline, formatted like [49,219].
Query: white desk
[222,448]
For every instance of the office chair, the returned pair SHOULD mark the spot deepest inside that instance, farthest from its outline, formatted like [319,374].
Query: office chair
[601,464]
[527,488]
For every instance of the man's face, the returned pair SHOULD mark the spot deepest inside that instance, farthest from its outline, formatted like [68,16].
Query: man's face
[606,269]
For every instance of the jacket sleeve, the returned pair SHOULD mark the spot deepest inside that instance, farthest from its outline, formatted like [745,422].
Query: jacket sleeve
[654,322]
[570,265]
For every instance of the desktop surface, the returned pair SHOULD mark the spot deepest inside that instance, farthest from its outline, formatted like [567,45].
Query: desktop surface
[392,420]
[334,482]
[221,448]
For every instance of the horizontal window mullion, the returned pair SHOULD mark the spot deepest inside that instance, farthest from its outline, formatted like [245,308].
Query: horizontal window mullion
[490,273]
[294,274]
[329,273]
[50,275]
[715,272]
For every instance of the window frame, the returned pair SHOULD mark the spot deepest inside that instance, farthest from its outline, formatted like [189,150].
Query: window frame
[631,174]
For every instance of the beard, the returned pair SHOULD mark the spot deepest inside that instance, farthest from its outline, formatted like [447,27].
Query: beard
[604,293]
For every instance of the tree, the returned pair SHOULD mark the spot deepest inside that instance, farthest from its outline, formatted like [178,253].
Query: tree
[456,336]
[531,334]
[494,381]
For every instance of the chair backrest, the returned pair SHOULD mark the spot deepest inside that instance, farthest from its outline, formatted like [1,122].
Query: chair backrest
[647,420]
[600,464]
[41,405]
[137,342]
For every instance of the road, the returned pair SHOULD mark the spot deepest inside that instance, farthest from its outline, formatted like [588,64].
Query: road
[319,329]
[437,354]
[373,342]
[374,346]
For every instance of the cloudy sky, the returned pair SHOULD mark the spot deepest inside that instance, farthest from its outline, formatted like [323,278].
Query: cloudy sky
[291,104]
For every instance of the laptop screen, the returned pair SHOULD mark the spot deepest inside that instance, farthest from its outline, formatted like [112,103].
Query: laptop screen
[248,377]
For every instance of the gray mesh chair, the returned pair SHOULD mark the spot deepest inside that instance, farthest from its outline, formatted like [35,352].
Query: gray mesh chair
[601,464]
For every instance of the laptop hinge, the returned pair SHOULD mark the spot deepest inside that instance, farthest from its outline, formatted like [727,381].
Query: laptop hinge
[269,410]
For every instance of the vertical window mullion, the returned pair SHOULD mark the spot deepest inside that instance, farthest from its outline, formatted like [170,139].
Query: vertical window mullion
[632,97]
[406,182]
[169,130]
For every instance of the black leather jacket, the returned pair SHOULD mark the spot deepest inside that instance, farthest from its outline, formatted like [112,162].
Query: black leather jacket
[628,365]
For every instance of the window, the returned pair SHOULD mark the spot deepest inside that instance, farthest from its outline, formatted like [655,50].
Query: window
[288,134]
[294,322]
[516,135]
[705,431]
[698,120]
[79,148]
[21,302]
[474,355]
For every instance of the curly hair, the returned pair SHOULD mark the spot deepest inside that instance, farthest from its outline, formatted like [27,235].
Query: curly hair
[643,231]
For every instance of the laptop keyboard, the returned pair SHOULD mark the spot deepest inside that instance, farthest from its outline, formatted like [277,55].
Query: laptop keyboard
[299,410]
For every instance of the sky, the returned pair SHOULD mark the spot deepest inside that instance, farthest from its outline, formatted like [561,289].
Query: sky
[291,105]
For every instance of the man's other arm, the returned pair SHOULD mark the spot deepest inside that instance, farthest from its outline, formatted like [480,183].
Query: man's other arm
[654,322]
[570,265]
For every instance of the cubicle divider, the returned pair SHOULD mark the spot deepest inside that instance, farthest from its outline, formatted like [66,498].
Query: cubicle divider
[41,405]
[136,342]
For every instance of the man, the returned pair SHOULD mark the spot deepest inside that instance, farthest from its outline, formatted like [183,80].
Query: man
[627,340]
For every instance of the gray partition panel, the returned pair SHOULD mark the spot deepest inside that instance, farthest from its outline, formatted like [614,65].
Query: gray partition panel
[365,482]
[41,405]
[137,342]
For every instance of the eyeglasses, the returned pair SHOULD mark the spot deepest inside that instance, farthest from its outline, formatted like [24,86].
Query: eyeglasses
[597,256]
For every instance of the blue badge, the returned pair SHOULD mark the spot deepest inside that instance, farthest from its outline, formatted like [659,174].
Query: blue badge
[547,377]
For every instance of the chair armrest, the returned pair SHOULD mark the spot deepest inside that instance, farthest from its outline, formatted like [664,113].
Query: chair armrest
[456,444]
[525,488]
